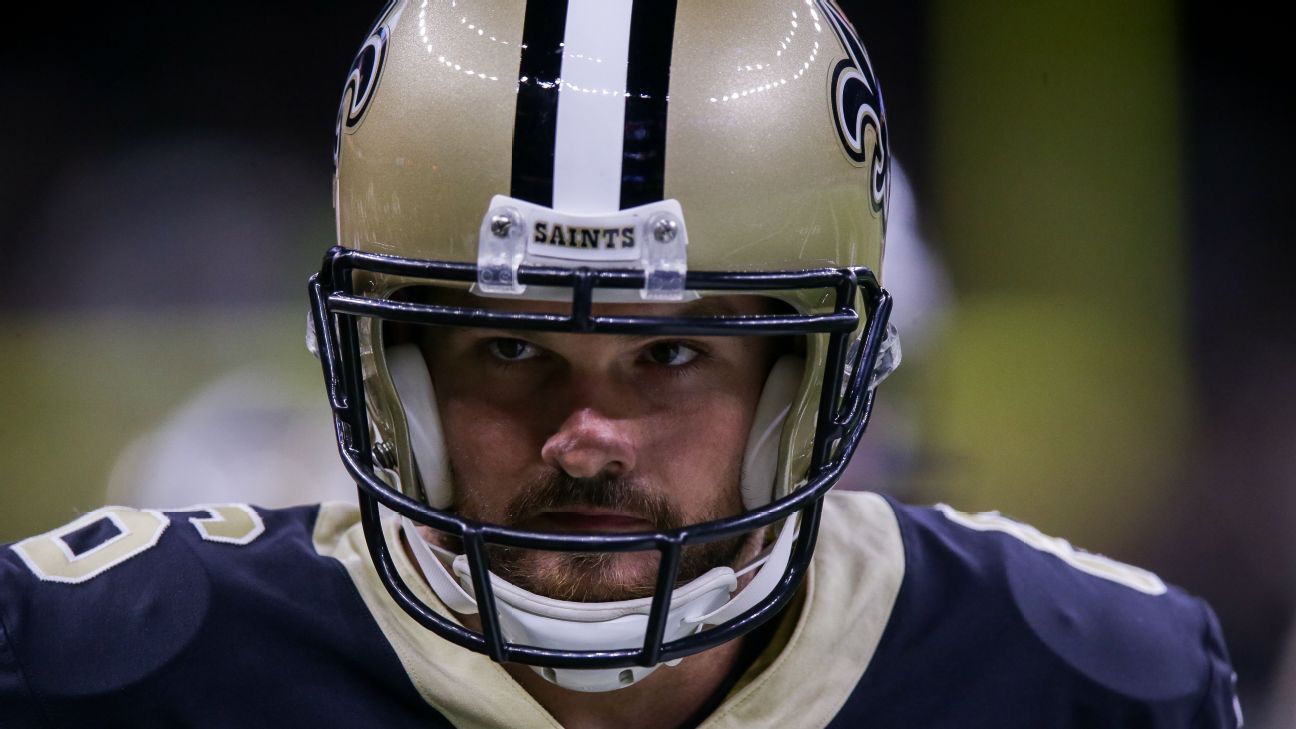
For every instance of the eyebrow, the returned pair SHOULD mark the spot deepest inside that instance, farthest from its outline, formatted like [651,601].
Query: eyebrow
[705,306]
[698,308]
[709,307]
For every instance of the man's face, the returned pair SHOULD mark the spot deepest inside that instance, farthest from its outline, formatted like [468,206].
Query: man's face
[598,433]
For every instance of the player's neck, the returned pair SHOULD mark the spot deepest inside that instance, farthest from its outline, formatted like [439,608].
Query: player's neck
[670,697]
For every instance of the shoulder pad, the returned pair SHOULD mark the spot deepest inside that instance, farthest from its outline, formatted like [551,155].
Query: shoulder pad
[1115,625]
[126,591]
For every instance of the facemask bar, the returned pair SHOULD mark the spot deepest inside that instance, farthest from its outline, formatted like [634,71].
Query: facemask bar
[335,311]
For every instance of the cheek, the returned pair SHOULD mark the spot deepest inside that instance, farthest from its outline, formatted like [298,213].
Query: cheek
[698,452]
[488,453]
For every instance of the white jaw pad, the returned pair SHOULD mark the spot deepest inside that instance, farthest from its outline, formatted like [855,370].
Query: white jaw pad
[547,623]
[761,459]
[413,385]
[436,574]
[531,619]
[718,580]
[771,571]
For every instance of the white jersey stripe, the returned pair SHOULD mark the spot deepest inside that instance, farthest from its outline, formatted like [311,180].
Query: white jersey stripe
[591,107]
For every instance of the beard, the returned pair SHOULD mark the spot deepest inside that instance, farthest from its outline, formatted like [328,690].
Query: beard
[601,576]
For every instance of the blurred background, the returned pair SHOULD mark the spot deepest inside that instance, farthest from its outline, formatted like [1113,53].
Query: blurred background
[1088,254]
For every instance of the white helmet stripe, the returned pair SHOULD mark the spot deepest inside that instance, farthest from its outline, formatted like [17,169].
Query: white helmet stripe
[591,107]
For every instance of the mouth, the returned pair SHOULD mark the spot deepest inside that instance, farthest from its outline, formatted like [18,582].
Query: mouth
[590,519]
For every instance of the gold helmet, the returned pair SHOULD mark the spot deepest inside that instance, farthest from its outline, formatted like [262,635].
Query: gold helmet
[606,151]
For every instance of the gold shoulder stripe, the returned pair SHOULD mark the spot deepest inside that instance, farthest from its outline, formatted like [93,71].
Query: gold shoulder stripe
[849,594]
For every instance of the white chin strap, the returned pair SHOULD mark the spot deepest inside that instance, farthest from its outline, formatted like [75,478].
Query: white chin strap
[530,619]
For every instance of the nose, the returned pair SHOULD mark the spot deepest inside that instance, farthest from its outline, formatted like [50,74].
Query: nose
[589,444]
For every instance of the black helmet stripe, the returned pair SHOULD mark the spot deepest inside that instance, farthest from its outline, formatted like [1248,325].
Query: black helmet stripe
[643,165]
[535,124]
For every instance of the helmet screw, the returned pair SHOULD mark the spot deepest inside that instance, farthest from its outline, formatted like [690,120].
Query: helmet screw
[385,454]
[502,224]
[664,229]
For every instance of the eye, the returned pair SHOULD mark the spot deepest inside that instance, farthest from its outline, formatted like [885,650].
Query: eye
[512,350]
[671,354]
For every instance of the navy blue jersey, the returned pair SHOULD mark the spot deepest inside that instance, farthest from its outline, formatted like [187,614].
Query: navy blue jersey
[996,625]
[191,632]
[227,616]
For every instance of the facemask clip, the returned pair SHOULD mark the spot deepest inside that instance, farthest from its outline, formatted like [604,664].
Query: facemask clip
[501,251]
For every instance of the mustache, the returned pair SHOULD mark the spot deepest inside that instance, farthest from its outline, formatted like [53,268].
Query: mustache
[557,490]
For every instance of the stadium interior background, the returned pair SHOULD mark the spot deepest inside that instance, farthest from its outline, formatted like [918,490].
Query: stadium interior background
[1092,278]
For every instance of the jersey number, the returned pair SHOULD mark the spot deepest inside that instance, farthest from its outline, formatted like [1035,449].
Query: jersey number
[1093,564]
[50,557]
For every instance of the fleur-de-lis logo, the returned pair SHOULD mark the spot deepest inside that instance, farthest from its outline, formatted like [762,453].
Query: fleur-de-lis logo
[362,79]
[857,108]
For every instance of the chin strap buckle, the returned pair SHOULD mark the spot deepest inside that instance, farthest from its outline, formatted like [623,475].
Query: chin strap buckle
[889,356]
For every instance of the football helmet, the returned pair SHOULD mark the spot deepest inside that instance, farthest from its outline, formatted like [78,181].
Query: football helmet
[614,151]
